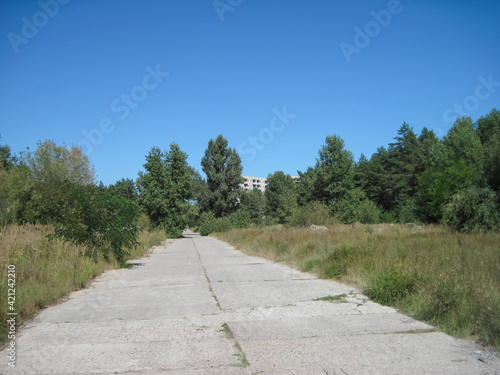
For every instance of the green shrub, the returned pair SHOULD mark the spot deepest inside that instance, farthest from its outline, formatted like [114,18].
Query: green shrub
[208,223]
[100,221]
[345,209]
[390,287]
[367,212]
[192,215]
[388,217]
[474,210]
[173,225]
[313,213]
[241,218]
[407,211]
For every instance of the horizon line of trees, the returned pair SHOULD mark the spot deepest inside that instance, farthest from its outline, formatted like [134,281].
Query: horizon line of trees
[417,178]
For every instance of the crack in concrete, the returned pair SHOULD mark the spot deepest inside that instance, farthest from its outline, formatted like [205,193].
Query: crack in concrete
[239,352]
[206,276]
[229,334]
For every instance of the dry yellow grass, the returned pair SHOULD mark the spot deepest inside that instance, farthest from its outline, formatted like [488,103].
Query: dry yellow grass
[449,279]
[48,270]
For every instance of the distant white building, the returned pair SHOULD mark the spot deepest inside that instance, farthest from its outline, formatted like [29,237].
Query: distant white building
[259,183]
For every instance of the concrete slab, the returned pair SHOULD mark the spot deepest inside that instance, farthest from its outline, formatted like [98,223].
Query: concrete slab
[234,295]
[297,327]
[251,272]
[135,303]
[198,306]
[415,354]
[118,349]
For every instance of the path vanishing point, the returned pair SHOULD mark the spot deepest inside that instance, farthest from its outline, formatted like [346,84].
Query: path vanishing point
[198,306]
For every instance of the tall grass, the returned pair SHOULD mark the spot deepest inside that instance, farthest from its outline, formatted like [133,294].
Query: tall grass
[449,279]
[47,270]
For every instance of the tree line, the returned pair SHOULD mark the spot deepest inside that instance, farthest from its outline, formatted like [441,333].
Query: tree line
[418,178]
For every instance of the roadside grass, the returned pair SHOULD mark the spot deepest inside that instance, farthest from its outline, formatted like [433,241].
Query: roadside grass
[448,279]
[47,270]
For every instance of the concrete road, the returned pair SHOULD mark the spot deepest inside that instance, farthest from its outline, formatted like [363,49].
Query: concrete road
[197,306]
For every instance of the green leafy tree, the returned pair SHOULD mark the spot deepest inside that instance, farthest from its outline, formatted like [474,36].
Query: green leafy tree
[281,196]
[463,143]
[442,184]
[433,158]
[5,157]
[253,201]
[454,164]
[305,189]
[16,189]
[180,181]
[165,188]
[51,163]
[44,194]
[488,129]
[124,188]
[349,209]
[199,187]
[222,166]
[198,199]
[153,187]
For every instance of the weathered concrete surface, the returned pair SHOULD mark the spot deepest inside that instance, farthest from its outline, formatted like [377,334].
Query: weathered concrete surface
[167,315]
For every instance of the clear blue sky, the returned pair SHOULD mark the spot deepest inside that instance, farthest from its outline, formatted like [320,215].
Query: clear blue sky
[154,72]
